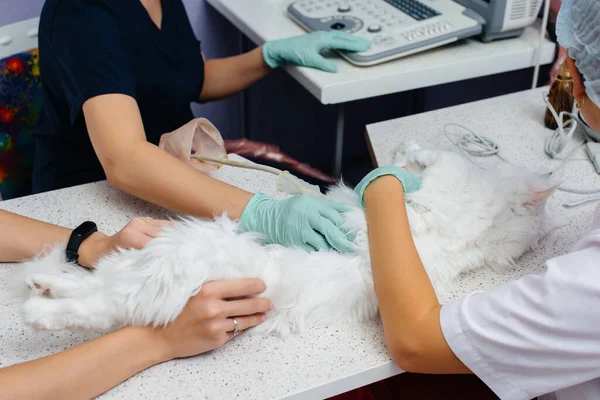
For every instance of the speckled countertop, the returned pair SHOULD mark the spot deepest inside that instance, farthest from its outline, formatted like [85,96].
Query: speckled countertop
[325,361]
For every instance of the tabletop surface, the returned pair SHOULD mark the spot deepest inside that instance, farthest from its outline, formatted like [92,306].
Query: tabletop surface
[263,20]
[322,361]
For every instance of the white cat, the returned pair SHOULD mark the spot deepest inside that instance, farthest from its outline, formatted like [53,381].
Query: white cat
[462,218]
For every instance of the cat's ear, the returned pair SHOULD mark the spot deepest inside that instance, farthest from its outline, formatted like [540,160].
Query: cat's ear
[539,196]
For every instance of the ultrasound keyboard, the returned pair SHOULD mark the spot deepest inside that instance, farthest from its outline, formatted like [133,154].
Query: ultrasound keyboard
[396,28]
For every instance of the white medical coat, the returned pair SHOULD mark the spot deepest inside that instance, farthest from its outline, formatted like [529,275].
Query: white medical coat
[539,335]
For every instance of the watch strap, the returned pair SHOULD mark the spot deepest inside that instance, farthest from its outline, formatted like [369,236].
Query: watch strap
[78,235]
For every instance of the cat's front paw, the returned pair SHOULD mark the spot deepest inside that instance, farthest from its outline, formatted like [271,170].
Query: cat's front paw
[403,151]
[419,160]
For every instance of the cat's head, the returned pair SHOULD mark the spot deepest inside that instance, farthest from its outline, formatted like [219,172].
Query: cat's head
[530,193]
[519,228]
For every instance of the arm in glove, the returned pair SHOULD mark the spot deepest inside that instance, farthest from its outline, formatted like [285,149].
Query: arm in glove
[301,221]
[305,50]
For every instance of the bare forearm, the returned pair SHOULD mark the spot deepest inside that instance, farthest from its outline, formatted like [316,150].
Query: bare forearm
[152,174]
[224,77]
[145,171]
[84,371]
[22,238]
[397,268]
[408,303]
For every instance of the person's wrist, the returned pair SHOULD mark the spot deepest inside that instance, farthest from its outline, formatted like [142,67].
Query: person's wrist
[148,345]
[382,185]
[93,248]
[249,218]
[263,61]
[267,56]
[157,344]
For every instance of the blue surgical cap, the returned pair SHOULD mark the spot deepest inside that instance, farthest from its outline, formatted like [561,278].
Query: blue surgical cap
[578,30]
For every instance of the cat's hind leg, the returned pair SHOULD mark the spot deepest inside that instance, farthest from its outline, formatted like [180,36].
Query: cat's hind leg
[59,295]
[51,276]
[63,285]
[88,313]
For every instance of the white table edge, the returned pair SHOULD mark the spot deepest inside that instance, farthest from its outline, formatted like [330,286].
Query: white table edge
[347,383]
[335,93]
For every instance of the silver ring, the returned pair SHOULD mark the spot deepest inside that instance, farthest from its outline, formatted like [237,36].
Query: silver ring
[235,327]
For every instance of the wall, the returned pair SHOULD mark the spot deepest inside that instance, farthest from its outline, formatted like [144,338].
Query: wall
[12,11]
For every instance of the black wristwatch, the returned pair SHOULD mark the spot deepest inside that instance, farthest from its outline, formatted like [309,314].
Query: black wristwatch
[78,235]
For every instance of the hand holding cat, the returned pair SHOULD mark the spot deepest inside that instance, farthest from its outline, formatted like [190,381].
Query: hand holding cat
[135,235]
[410,182]
[301,221]
[206,322]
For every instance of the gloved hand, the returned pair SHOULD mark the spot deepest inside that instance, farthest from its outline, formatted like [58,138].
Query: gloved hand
[301,221]
[410,182]
[305,50]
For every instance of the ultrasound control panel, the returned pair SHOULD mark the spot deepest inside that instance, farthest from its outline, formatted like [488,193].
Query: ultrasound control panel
[396,28]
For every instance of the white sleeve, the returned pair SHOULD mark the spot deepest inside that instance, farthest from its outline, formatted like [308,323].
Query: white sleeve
[535,335]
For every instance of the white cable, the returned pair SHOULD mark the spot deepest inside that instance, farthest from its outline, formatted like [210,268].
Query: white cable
[481,146]
[557,142]
[576,203]
[474,144]
[536,70]
[285,183]
[578,191]
[564,161]
[223,161]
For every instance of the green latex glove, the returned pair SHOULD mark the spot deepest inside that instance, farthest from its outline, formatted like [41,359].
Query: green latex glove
[305,50]
[301,221]
[410,182]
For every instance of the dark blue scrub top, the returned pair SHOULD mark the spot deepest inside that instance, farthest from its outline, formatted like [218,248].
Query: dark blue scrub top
[94,47]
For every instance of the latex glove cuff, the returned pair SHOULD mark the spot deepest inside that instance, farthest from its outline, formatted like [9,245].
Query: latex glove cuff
[249,218]
[410,182]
